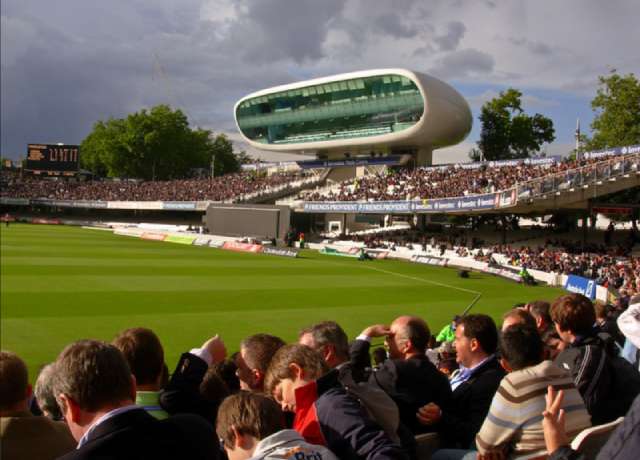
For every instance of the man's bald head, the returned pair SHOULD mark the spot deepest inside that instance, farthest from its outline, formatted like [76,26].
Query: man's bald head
[412,329]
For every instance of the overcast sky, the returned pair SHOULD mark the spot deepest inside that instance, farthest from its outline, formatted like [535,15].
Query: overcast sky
[68,63]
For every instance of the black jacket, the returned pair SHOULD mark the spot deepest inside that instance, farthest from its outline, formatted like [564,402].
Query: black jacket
[137,435]
[470,404]
[182,393]
[608,383]
[411,383]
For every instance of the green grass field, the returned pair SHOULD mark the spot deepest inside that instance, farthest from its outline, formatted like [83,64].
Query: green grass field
[60,284]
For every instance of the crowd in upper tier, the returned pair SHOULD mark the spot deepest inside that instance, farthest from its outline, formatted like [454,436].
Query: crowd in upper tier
[399,184]
[229,187]
[456,181]
[522,392]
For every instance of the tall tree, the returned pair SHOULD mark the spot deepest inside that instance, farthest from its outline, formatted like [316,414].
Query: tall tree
[507,132]
[154,144]
[617,112]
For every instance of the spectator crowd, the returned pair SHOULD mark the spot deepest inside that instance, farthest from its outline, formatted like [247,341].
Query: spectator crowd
[608,270]
[401,184]
[524,391]
[229,187]
[458,180]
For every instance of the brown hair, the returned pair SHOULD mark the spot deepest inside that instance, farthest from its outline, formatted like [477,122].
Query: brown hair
[13,380]
[309,360]
[259,349]
[212,387]
[573,312]
[540,309]
[93,374]
[250,414]
[601,309]
[144,354]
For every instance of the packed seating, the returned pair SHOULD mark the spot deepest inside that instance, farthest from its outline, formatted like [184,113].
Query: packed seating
[455,181]
[108,394]
[230,187]
[609,270]
[610,266]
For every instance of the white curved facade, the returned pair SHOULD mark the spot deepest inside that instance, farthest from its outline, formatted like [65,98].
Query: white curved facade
[445,118]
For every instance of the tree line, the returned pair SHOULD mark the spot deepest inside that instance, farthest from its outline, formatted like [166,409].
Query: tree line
[507,132]
[156,144]
[159,143]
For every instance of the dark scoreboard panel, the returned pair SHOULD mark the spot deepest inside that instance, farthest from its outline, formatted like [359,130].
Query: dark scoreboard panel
[53,157]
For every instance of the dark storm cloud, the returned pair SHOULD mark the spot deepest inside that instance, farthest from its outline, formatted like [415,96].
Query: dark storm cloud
[392,24]
[62,73]
[268,31]
[450,40]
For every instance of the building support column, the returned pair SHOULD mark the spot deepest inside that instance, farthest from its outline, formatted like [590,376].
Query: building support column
[424,156]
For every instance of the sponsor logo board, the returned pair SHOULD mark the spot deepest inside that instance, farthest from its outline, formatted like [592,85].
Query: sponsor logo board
[180,239]
[179,205]
[153,236]
[284,252]
[580,285]
[241,247]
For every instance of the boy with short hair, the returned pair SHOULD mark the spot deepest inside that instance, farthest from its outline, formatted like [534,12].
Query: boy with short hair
[251,426]
[325,413]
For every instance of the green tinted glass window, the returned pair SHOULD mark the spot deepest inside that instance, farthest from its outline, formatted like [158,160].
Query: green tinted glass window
[340,110]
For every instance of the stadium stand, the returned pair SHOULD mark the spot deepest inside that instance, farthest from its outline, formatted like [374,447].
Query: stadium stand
[299,379]
[462,180]
[230,187]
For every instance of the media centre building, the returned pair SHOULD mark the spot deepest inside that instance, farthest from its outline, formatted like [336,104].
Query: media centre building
[368,113]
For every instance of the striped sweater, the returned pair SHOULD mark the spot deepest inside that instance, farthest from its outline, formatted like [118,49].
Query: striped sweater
[515,416]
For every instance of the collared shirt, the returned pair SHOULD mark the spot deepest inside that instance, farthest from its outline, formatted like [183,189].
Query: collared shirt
[107,416]
[465,373]
[150,401]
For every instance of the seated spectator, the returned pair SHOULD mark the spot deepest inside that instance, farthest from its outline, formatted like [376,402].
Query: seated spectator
[446,359]
[517,316]
[448,332]
[182,394]
[629,324]
[606,323]
[253,360]
[227,371]
[379,357]
[473,388]
[144,354]
[212,388]
[330,340]
[96,392]
[539,309]
[43,393]
[325,413]
[607,383]
[250,426]
[23,435]
[408,376]
[623,443]
[513,427]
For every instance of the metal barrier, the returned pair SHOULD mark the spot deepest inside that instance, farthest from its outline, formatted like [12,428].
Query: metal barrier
[571,179]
